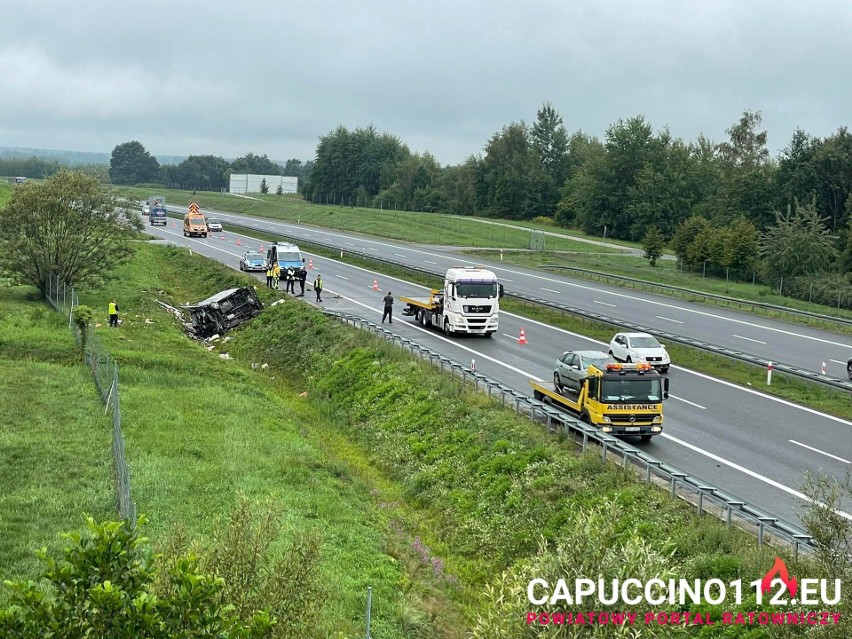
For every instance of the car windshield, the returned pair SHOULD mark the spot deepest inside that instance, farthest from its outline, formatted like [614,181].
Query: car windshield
[598,362]
[631,390]
[254,257]
[476,289]
[644,341]
[213,221]
[289,256]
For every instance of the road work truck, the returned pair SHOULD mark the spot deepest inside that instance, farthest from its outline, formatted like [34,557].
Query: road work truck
[620,399]
[469,303]
[194,222]
[157,212]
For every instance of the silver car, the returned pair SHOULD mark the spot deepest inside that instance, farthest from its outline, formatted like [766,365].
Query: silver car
[572,366]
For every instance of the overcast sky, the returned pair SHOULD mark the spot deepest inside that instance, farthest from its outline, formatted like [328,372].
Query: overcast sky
[226,78]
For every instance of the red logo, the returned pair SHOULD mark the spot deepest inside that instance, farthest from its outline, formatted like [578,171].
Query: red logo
[779,569]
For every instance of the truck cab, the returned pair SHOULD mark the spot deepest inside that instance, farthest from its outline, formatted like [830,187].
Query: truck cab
[286,254]
[157,210]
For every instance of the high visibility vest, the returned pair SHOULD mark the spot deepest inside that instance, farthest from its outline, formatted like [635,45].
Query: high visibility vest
[318,284]
[112,309]
[269,272]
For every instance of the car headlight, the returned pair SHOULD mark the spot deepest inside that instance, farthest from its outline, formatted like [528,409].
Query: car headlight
[656,429]
[657,419]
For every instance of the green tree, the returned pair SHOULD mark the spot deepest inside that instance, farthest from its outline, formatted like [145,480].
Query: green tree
[131,163]
[279,190]
[264,187]
[256,165]
[653,243]
[104,587]
[67,226]
[199,172]
[685,235]
[550,144]
[798,244]
[83,320]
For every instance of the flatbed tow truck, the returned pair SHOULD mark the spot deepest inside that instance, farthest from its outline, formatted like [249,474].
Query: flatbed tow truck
[469,303]
[622,399]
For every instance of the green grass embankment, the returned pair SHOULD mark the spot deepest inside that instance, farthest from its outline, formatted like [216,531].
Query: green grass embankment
[55,459]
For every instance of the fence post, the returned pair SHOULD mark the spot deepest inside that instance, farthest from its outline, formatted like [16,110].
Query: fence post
[369,610]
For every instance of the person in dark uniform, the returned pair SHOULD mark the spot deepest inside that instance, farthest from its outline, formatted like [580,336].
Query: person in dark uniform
[388,300]
[291,280]
[302,275]
[318,287]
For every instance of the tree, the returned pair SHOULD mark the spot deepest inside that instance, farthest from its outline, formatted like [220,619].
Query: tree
[106,586]
[67,226]
[685,236]
[550,143]
[264,187]
[798,244]
[653,243]
[130,163]
[279,190]
[256,165]
[199,172]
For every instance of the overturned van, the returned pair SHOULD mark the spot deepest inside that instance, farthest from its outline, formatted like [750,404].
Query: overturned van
[222,312]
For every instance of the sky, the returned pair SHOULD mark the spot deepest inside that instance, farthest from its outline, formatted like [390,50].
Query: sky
[270,77]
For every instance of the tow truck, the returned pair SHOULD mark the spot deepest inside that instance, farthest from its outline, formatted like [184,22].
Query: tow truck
[619,399]
[468,303]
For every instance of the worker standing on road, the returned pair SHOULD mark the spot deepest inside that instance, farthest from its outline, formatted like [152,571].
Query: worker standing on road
[388,300]
[302,275]
[113,314]
[276,275]
[318,287]
[291,280]
[269,274]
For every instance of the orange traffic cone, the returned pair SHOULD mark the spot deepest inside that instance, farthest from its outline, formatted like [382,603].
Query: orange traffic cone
[173,223]
[310,264]
[261,248]
[523,338]
[238,241]
[221,236]
[375,285]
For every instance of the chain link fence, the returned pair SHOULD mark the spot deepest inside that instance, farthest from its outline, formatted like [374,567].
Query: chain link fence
[105,373]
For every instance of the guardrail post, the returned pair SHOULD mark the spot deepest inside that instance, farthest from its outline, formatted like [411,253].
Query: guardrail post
[798,539]
[648,466]
[585,441]
[730,505]
[604,447]
[675,477]
[701,491]
[762,521]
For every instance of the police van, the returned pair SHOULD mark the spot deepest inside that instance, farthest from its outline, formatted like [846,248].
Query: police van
[287,255]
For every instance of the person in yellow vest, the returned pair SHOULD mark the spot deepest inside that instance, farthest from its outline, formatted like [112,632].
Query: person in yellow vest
[276,275]
[318,287]
[113,314]
[269,274]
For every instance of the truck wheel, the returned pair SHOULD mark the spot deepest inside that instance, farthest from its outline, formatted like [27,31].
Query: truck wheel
[491,334]
[664,369]
[646,438]
[538,395]
[556,382]
[447,330]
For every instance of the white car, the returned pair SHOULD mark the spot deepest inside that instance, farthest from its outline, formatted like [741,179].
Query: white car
[146,209]
[640,347]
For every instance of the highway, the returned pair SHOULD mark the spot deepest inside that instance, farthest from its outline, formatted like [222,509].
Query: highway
[774,340]
[738,439]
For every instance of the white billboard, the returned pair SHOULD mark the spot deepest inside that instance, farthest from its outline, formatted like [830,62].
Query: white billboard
[251,183]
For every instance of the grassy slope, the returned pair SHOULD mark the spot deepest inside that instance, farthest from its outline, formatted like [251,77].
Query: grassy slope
[54,437]
[5,192]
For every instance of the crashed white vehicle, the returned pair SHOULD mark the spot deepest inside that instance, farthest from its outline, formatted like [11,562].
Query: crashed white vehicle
[640,347]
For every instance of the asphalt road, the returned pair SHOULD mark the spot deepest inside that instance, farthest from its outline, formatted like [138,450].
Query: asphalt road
[738,439]
[774,340]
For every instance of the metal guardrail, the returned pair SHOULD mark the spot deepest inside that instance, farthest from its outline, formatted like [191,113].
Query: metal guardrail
[701,294]
[779,367]
[706,497]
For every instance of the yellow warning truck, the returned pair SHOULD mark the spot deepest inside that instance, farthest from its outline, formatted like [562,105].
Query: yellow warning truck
[194,222]
[620,399]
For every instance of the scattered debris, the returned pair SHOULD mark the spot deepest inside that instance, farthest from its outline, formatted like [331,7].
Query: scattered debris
[171,309]
[228,338]
[98,325]
[213,338]
[148,321]
[265,366]
[224,356]
[277,302]
[254,365]
[304,394]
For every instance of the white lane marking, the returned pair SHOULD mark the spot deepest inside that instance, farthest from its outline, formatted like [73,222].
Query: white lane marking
[748,472]
[704,376]
[511,337]
[821,452]
[550,290]
[341,277]
[604,303]
[505,280]
[591,288]
[669,319]
[750,339]
[375,250]
[686,401]
[428,262]
[350,244]
[399,254]
[837,362]
[692,447]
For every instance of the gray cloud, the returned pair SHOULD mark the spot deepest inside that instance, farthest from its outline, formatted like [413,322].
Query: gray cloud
[271,77]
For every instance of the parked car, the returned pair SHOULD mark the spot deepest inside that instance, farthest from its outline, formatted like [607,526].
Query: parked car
[146,209]
[572,366]
[640,347]
[214,225]
[253,261]
[849,368]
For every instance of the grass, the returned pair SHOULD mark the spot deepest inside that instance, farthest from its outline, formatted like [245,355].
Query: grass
[808,394]
[435,496]
[54,436]
[5,192]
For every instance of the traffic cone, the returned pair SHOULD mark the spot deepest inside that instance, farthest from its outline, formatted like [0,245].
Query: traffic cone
[523,338]
[221,236]
[238,241]
[173,223]
[261,249]
[310,264]
[375,285]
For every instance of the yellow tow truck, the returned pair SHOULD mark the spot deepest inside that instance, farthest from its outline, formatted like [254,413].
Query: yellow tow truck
[620,399]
